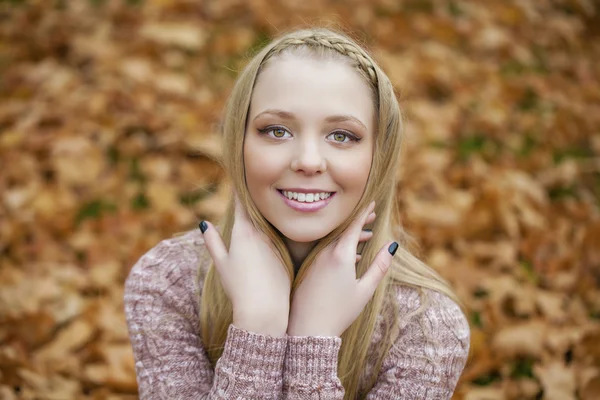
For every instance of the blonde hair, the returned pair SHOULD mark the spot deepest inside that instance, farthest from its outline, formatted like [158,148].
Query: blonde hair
[215,307]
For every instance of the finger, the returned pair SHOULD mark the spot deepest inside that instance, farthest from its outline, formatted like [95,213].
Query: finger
[358,257]
[365,235]
[370,218]
[349,239]
[241,223]
[377,271]
[214,243]
[240,213]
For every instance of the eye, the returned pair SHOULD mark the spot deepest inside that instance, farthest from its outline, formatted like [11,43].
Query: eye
[274,131]
[340,137]
[278,132]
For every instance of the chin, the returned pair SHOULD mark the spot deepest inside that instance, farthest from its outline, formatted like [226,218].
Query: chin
[303,236]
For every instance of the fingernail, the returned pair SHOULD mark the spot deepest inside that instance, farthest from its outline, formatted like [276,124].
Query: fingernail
[367,230]
[393,247]
[203,226]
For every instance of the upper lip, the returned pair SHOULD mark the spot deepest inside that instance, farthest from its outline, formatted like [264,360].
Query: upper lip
[300,190]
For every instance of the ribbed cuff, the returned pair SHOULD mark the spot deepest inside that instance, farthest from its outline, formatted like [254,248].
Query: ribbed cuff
[311,358]
[252,355]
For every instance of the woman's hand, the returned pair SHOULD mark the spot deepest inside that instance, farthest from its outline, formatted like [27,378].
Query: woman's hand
[330,297]
[252,275]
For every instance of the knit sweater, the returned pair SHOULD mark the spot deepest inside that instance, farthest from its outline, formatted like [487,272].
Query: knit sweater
[161,309]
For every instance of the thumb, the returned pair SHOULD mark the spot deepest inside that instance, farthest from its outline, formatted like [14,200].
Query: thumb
[214,243]
[377,271]
[241,224]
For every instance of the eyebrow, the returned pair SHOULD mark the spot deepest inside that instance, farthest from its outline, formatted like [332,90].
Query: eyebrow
[333,118]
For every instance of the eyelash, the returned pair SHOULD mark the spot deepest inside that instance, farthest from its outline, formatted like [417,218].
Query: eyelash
[268,129]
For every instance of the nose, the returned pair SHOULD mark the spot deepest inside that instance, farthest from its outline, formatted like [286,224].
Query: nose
[308,158]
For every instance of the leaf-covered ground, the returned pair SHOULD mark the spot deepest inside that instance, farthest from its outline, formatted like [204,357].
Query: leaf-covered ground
[108,116]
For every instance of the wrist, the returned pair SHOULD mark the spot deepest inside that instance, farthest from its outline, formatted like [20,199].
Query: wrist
[264,325]
[296,328]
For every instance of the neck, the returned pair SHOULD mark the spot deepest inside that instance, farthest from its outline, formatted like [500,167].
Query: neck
[298,251]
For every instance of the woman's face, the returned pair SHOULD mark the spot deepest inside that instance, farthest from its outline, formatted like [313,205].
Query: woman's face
[310,135]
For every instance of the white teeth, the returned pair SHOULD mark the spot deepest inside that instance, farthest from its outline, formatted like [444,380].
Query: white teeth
[306,197]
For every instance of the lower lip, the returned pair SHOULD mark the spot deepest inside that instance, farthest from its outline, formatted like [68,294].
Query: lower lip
[307,207]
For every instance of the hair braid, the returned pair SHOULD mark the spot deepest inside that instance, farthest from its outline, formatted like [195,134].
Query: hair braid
[338,44]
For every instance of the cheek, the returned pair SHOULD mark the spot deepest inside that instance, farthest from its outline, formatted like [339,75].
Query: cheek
[354,171]
[262,166]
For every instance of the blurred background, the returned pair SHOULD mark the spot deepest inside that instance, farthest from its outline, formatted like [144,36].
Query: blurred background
[108,143]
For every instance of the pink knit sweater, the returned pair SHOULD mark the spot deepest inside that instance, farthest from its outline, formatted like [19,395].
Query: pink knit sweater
[171,363]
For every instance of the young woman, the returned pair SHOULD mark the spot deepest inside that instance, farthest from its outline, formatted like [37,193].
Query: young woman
[275,303]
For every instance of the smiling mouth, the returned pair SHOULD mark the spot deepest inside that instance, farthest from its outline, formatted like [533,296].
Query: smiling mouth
[306,198]
[305,202]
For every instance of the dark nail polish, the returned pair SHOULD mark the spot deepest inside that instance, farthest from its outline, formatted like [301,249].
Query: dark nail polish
[203,226]
[393,247]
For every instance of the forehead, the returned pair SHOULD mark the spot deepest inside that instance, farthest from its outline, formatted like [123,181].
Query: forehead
[313,88]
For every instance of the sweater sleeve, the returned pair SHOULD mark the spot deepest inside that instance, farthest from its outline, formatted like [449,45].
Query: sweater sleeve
[424,362]
[310,368]
[170,361]
[428,356]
